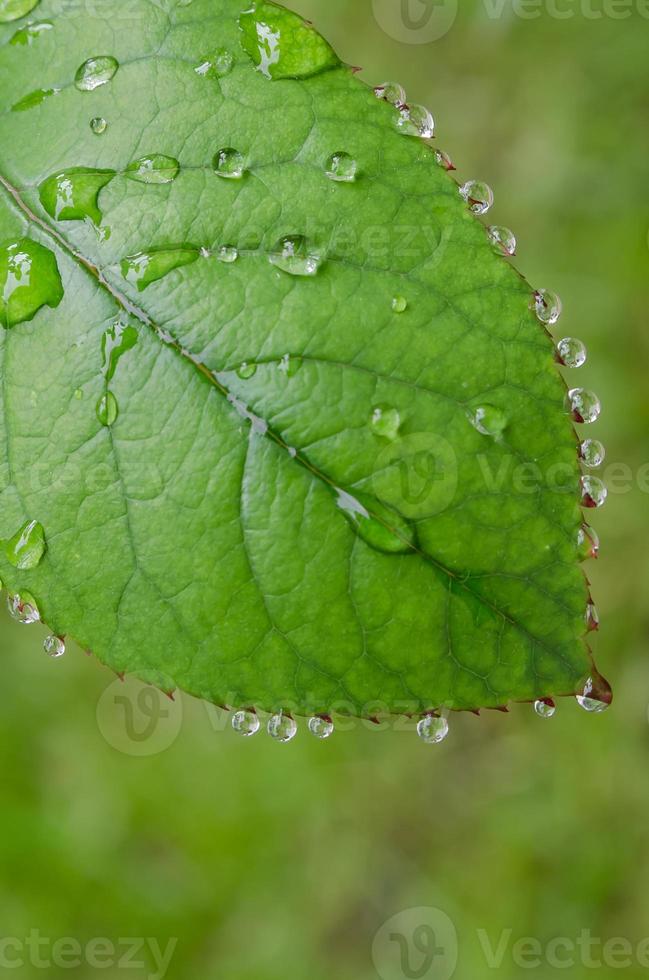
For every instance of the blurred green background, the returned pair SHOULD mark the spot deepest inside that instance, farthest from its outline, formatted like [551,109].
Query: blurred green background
[283,861]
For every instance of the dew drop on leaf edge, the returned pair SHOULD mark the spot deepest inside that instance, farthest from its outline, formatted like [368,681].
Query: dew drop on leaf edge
[246,723]
[583,405]
[432,729]
[572,352]
[54,646]
[321,727]
[548,307]
[592,453]
[416,120]
[478,195]
[503,240]
[282,727]
[545,708]
[391,92]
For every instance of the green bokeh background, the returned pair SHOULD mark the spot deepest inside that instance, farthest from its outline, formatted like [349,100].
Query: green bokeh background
[275,861]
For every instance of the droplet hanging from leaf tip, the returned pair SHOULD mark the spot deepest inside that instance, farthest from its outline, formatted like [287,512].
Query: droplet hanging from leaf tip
[416,120]
[592,617]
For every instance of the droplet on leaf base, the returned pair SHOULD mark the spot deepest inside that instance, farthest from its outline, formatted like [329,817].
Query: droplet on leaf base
[432,729]
[293,255]
[95,72]
[478,195]
[416,120]
[282,727]
[23,608]
[545,708]
[246,723]
[26,548]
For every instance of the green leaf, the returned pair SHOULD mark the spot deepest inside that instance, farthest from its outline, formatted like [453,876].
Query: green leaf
[296,437]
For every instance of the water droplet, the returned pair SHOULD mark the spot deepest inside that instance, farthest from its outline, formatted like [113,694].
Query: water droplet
[115,342]
[246,723]
[548,307]
[290,365]
[227,254]
[247,370]
[107,409]
[594,493]
[146,267]
[596,696]
[399,304]
[33,99]
[282,727]
[571,352]
[293,254]
[229,163]
[416,120]
[385,422]
[545,708]
[54,647]
[432,729]
[478,195]
[583,405]
[98,125]
[592,617]
[488,420]
[22,607]
[502,239]
[14,9]
[72,195]
[379,526]
[592,453]
[321,726]
[156,169]
[342,167]
[587,542]
[281,44]
[29,279]
[26,548]
[443,160]
[391,92]
[31,32]
[217,66]
[95,72]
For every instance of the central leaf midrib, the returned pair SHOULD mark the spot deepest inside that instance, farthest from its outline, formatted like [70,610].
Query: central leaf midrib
[122,301]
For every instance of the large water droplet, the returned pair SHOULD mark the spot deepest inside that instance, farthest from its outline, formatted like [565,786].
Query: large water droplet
[416,120]
[281,44]
[548,306]
[379,526]
[502,239]
[391,92]
[98,125]
[156,169]
[146,267]
[246,723]
[23,608]
[229,163]
[488,420]
[385,422]
[26,548]
[29,279]
[107,409]
[587,542]
[592,617]
[478,195]
[571,352]
[293,254]
[321,726]
[217,65]
[596,696]
[119,338]
[95,72]
[31,32]
[54,646]
[72,195]
[545,708]
[583,405]
[33,99]
[443,160]
[594,493]
[282,727]
[432,729]
[14,9]
[342,167]
[592,453]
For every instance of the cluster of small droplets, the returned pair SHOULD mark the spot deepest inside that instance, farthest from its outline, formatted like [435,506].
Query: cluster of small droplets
[281,726]
[432,729]
[545,708]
